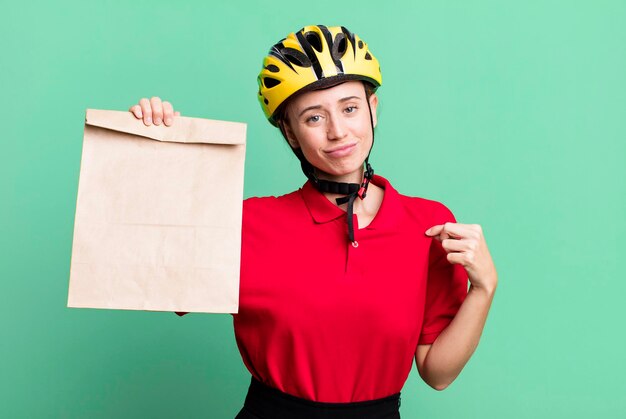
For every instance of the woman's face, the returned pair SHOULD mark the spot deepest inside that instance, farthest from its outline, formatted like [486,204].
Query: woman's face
[332,128]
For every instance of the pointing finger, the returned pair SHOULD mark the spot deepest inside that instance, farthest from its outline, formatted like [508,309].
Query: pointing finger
[446,231]
[461,231]
[438,232]
[434,230]
[455,231]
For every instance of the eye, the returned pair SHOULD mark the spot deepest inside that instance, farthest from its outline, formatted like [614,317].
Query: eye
[313,119]
[351,109]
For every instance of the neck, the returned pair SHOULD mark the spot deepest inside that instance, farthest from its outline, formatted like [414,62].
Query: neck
[336,194]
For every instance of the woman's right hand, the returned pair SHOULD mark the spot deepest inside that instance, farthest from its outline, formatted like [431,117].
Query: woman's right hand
[154,111]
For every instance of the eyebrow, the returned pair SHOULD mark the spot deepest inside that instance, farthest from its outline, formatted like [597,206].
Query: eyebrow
[344,99]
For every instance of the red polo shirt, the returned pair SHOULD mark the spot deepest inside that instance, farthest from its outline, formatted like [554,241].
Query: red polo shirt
[325,321]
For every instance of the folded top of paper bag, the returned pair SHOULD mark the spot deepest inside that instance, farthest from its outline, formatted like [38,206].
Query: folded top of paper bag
[182,130]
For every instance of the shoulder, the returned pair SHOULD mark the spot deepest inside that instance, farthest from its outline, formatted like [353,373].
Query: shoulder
[269,217]
[427,210]
[424,210]
[272,206]
[271,201]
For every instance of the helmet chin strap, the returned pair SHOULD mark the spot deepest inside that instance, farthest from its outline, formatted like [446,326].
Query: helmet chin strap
[350,190]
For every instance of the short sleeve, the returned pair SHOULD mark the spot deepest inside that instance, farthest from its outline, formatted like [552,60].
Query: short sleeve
[446,287]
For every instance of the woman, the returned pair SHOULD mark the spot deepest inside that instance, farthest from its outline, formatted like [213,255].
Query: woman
[345,281]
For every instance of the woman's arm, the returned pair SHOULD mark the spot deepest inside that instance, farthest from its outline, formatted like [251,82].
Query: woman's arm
[441,362]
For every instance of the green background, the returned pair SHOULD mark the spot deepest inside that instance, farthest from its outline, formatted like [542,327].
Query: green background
[510,113]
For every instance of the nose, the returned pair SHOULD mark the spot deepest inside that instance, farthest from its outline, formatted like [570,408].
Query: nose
[336,129]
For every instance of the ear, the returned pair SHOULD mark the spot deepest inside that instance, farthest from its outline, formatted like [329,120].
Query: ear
[291,137]
[373,105]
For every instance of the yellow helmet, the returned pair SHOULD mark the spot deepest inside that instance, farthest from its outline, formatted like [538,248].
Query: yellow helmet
[314,57]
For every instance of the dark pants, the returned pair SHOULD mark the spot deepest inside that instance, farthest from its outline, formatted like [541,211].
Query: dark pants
[263,402]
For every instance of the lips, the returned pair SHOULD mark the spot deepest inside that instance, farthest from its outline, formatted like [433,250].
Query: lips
[341,151]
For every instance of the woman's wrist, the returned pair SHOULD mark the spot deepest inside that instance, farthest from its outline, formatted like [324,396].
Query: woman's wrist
[488,291]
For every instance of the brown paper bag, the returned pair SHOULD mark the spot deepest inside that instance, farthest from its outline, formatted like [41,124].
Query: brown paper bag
[158,215]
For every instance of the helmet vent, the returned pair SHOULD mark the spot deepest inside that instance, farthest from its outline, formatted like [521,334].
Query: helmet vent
[360,44]
[339,46]
[273,68]
[270,82]
[368,56]
[314,39]
[296,57]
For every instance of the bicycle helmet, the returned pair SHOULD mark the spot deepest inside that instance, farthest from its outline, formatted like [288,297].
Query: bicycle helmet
[312,58]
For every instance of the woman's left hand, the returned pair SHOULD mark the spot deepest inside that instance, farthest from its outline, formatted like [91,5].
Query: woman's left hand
[465,245]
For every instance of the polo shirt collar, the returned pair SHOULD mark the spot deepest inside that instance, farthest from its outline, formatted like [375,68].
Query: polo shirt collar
[323,211]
